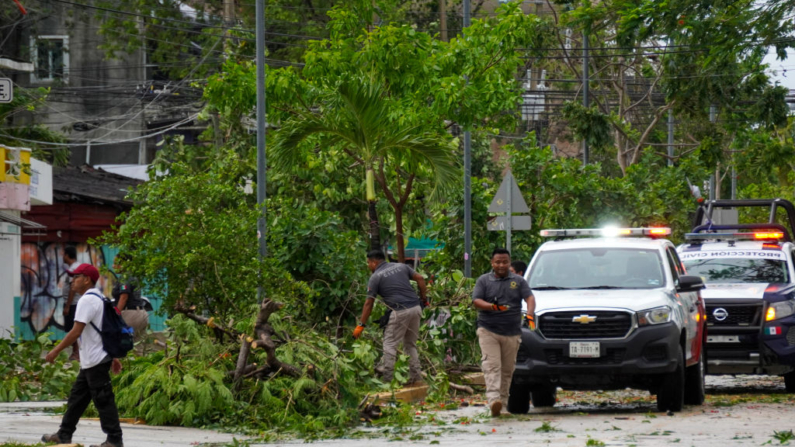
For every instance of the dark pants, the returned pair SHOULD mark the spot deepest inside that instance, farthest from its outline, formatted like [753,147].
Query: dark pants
[92,384]
[69,319]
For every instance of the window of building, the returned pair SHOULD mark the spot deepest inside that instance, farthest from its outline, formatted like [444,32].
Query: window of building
[50,57]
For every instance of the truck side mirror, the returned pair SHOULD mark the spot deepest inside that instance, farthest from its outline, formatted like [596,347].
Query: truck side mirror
[688,283]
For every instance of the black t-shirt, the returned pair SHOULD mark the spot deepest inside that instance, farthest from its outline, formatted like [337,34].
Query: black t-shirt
[130,287]
[508,291]
[391,280]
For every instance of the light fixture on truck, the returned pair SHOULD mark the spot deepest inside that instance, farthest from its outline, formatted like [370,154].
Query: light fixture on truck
[607,232]
[757,235]
[767,235]
[779,310]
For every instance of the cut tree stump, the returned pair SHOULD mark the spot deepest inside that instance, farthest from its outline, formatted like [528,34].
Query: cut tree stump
[409,394]
[476,379]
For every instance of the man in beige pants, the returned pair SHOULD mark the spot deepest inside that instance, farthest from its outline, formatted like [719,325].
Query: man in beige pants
[498,298]
[390,281]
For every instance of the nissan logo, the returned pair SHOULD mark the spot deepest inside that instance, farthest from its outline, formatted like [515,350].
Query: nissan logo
[720,314]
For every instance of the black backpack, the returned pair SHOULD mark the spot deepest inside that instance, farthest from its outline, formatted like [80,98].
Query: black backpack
[117,337]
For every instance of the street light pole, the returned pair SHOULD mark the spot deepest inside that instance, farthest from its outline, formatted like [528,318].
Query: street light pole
[586,101]
[261,162]
[467,179]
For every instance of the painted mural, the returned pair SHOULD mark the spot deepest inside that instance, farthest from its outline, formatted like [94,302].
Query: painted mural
[43,276]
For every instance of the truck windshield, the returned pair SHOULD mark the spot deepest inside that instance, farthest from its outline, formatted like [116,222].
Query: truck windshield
[738,270]
[597,268]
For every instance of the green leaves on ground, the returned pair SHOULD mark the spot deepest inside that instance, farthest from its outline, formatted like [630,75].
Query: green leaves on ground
[26,377]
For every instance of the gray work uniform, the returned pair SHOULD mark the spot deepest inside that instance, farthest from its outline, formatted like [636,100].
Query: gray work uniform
[392,282]
[499,332]
[508,291]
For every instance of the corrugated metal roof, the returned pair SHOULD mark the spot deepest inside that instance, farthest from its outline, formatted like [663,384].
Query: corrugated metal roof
[29,228]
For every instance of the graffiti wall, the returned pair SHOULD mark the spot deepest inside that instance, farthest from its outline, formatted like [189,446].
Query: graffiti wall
[43,275]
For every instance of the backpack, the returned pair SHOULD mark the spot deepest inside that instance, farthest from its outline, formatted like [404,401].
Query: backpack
[117,337]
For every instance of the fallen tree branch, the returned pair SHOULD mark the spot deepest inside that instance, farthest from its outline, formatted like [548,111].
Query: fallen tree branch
[264,334]
[204,321]
[464,388]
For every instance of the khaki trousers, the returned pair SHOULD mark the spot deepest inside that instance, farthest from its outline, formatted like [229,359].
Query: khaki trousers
[498,362]
[404,326]
[138,320]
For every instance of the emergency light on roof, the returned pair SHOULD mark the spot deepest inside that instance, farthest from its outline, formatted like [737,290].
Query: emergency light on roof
[607,232]
[757,235]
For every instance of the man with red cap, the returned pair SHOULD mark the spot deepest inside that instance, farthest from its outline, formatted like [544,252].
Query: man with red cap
[93,382]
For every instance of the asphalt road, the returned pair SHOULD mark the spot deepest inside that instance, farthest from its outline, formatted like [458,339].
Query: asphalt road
[740,411]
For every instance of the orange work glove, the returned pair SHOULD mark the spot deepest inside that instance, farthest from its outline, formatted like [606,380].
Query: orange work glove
[499,308]
[531,322]
[358,331]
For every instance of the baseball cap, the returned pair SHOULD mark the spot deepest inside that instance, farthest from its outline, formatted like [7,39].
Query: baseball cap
[86,269]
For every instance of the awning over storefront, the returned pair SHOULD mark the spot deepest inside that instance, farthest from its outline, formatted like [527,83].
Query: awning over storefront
[29,228]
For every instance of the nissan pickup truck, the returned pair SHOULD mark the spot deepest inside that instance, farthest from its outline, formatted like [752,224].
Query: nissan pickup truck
[750,294]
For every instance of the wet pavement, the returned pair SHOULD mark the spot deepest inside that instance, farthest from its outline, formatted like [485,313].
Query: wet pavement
[740,411]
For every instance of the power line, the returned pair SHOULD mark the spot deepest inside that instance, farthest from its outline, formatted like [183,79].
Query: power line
[127,140]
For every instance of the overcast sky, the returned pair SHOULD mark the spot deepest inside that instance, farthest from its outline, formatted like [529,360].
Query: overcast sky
[782,71]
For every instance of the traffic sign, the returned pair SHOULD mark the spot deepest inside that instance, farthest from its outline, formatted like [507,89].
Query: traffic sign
[501,199]
[6,90]
[518,223]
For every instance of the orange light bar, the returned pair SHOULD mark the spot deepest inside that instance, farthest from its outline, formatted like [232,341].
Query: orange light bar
[771,314]
[624,231]
[769,235]
[659,231]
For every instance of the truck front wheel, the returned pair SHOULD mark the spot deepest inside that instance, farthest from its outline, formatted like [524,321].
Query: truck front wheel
[694,381]
[519,399]
[789,381]
[671,395]
[545,396]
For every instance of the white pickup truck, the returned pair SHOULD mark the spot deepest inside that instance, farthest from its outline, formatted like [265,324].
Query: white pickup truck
[614,309]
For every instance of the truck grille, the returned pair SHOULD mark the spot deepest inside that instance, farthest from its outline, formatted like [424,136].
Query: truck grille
[743,315]
[791,336]
[608,324]
[612,356]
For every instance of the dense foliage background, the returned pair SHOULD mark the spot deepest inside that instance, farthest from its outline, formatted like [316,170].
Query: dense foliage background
[192,234]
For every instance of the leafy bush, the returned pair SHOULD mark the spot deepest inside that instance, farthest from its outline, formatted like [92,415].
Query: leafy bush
[27,377]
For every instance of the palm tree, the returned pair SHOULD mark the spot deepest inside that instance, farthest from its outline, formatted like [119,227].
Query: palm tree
[355,116]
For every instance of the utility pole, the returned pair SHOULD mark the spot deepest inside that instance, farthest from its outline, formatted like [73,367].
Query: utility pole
[261,126]
[229,22]
[734,178]
[467,178]
[443,19]
[585,99]
[713,116]
[670,137]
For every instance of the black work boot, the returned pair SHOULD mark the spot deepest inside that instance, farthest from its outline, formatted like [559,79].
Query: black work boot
[55,438]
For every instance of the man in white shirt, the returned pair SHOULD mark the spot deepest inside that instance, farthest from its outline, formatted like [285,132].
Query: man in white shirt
[93,382]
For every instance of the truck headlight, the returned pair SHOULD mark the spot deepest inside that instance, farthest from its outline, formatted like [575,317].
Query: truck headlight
[658,315]
[780,310]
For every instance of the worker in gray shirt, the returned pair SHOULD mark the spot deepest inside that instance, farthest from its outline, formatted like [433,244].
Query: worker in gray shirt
[391,282]
[498,298]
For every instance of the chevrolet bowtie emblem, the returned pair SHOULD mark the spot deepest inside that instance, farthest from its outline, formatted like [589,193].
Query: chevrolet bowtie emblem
[583,319]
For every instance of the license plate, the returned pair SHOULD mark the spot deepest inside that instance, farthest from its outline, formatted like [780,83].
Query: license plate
[584,349]
[723,339]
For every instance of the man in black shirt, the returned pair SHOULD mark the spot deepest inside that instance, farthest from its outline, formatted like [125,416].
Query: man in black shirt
[127,298]
[498,298]
[391,282]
